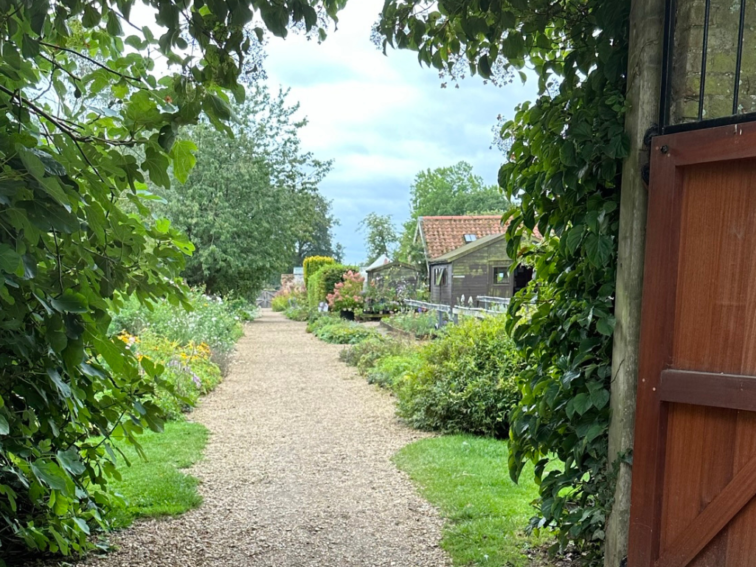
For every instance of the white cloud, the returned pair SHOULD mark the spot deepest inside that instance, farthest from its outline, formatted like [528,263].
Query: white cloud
[383,118]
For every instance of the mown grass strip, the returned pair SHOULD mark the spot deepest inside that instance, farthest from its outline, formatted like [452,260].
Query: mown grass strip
[486,513]
[158,487]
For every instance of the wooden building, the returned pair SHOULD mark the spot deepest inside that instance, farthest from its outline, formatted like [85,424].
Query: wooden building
[480,268]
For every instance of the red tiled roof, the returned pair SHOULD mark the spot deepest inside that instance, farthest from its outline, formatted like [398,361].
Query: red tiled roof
[444,234]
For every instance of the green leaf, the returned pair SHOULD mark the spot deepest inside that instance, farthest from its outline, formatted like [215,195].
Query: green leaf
[605,325]
[600,398]
[594,431]
[162,225]
[567,154]
[70,461]
[29,46]
[484,67]
[4,426]
[70,302]
[10,260]
[598,249]
[574,237]
[582,403]
[183,159]
[50,474]
[216,107]
[63,388]
[156,163]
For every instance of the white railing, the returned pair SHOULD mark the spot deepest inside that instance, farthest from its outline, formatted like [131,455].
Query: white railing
[492,306]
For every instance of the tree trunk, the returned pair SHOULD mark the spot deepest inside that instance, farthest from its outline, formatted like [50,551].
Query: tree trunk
[643,93]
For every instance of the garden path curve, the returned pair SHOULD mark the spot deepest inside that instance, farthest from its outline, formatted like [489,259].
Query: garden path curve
[297,472]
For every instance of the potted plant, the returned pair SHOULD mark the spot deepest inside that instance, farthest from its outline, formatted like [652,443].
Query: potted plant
[347,295]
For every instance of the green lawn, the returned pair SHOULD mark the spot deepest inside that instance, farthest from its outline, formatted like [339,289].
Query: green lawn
[486,513]
[157,487]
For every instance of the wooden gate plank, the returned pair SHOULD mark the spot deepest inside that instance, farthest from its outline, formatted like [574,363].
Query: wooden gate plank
[739,492]
[732,391]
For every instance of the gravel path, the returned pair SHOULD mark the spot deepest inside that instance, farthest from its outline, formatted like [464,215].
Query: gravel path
[297,471]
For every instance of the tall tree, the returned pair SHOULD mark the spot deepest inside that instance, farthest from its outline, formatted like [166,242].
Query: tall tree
[69,247]
[454,190]
[380,236]
[248,199]
[313,227]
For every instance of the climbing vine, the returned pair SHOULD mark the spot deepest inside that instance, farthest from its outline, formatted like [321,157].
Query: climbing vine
[566,150]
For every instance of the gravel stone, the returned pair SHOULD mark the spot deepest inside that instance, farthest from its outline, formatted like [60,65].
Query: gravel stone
[297,472]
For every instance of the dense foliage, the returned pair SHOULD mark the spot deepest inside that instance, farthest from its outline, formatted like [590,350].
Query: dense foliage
[85,122]
[322,283]
[312,264]
[289,295]
[313,224]
[242,205]
[566,151]
[463,381]
[466,382]
[189,371]
[206,320]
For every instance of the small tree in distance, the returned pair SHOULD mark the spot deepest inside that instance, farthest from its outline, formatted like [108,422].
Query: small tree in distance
[380,236]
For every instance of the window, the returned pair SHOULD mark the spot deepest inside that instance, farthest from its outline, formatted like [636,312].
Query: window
[500,276]
[470,238]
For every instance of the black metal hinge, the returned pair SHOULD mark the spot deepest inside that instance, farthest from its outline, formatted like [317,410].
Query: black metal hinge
[648,138]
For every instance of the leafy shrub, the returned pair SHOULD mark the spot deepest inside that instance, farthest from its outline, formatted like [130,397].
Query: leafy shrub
[419,324]
[366,354]
[279,303]
[189,371]
[465,382]
[313,264]
[320,320]
[212,321]
[344,333]
[297,313]
[388,370]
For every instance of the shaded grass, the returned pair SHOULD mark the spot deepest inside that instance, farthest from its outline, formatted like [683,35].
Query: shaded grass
[486,513]
[157,487]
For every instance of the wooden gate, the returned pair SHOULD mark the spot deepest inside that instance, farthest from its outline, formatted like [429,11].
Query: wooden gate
[694,464]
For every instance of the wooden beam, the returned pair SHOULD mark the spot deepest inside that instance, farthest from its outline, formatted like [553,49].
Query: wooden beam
[720,511]
[730,391]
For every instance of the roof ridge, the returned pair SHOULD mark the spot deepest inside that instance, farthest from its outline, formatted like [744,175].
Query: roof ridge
[448,217]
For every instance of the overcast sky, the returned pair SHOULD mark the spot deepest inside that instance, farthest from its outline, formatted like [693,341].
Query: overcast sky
[382,118]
